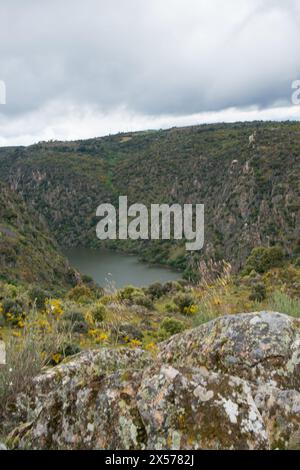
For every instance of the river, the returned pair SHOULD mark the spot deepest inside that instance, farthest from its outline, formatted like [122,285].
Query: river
[111,268]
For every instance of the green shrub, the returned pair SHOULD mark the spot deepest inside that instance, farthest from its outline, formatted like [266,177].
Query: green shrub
[262,259]
[39,296]
[172,325]
[143,300]
[170,307]
[13,310]
[77,321]
[184,301]
[81,294]
[74,316]
[297,262]
[258,292]
[156,290]
[99,312]
[128,292]
[70,349]
[129,332]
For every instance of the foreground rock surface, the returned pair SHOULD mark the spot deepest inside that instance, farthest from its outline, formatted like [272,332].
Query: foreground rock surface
[230,384]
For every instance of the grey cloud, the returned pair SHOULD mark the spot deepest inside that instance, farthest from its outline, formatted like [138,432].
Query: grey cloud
[152,57]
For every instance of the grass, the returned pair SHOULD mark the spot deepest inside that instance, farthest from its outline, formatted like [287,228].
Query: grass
[28,350]
[282,302]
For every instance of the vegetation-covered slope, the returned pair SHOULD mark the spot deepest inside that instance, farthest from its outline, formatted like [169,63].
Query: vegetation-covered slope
[28,253]
[251,192]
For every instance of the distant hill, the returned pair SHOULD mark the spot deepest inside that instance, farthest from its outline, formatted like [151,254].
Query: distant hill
[251,191]
[28,253]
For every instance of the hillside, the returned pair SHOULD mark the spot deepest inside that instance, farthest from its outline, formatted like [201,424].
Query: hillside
[251,192]
[28,252]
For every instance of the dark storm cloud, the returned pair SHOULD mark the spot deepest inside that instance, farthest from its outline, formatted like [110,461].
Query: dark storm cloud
[151,57]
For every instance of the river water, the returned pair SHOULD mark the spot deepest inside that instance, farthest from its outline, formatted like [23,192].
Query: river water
[118,269]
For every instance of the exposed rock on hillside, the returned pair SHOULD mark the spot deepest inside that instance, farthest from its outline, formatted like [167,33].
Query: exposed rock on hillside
[230,384]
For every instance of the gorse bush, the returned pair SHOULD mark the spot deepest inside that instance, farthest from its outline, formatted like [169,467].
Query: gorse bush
[13,310]
[184,302]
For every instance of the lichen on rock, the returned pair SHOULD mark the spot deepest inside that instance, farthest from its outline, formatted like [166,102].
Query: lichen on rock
[232,383]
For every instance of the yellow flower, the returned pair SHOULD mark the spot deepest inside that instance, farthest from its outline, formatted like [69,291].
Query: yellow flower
[216,301]
[98,335]
[191,310]
[17,334]
[93,332]
[102,337]
[135,343]
[89,317]
[54,307]
[151,347]
[21,323]
[56,357]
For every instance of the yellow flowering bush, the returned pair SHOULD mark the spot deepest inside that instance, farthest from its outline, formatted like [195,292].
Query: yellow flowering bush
[99,336]
[54,307]
[191,310]
[135,343]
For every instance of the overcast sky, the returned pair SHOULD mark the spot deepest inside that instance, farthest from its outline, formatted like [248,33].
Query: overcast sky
[77,69]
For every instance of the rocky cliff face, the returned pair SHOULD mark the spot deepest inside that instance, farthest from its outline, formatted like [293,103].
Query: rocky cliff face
[230,384]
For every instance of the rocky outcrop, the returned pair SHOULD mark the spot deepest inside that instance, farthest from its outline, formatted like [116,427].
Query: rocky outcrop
[232,383]
[259,347]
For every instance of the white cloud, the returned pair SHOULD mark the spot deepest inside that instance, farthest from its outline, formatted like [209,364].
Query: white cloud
[68,122]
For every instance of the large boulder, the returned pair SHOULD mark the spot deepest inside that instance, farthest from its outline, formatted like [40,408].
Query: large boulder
[259,347]
[280,411]
[194,409]
[230,384]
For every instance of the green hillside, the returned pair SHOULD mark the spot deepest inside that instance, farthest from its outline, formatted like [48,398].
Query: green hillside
[251,192]
[28,252]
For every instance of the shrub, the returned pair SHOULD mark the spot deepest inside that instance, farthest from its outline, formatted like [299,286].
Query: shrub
[80,293]
[297,262]
[70,349]
[129,332]
[156,290]
[13,310]
[170,307]
[99,312]
[143,300]
[128,292]
[258,292]
[74,316]
[262,259]
[172,325]
[184,301]
[39,296]
[77,320]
